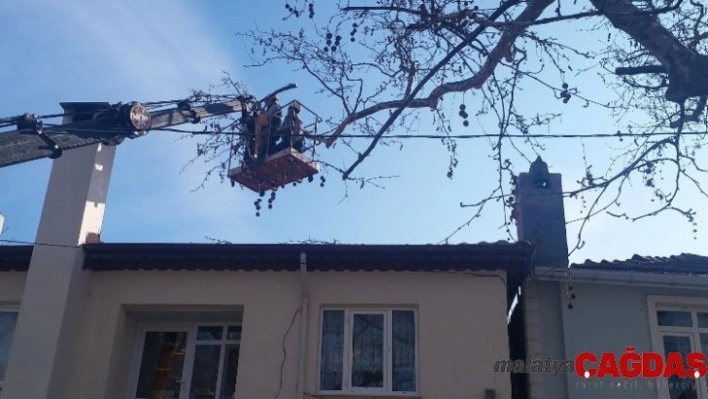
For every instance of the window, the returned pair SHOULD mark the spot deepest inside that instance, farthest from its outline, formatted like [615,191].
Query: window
[680,325]
[8,320]
[368,351]
[186,362]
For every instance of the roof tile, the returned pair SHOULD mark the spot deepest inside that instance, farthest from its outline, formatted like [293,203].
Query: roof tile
[502,255]
[15,257]
[682,264]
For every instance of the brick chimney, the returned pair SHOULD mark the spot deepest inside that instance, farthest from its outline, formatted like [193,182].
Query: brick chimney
[540,216]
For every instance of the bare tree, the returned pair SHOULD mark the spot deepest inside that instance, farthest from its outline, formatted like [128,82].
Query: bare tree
[385,62]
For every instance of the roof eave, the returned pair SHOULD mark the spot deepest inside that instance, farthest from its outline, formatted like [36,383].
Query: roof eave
[513,258]
[15,258]
[321,257]
[621,277]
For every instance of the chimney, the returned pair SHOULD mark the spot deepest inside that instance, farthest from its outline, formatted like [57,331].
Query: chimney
[540,216]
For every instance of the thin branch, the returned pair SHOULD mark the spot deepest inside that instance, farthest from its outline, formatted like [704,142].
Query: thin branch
[532,12]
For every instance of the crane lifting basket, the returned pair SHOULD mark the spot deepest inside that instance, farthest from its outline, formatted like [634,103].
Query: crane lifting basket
[284,167]
[265,163]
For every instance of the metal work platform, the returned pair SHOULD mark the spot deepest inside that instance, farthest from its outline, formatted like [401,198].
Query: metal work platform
[279,169]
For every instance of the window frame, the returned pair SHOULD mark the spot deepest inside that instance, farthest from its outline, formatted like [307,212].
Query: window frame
[387,390]
[694,305]
[191,328]
[10,309]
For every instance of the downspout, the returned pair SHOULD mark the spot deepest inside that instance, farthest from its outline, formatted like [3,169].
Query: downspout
[304,304]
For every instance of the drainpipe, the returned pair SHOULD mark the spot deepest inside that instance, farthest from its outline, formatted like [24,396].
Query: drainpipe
[304,304]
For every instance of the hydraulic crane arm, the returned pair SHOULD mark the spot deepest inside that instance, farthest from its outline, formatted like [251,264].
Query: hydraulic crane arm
[111,126]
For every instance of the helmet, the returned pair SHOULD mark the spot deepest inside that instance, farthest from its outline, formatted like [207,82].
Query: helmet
[296,106]
[273,99]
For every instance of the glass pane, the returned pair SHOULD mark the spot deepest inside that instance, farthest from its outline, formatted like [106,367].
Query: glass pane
[702,320]
[234,333]
[228,378]
[332,350]
[8,320]
[679,388]
[704,343]
[403,366]
[367,351]
[205,372]
[674,318]
[210,333]
[161,366]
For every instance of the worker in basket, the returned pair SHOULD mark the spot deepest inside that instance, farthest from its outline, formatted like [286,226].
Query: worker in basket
[266,124]
[293,132]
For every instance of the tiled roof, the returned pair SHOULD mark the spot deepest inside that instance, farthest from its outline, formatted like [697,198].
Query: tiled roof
[15,257]
[512,257]
[683,264]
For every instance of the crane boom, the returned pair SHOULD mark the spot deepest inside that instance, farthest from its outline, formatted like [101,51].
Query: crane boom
[90,123]
[33,141]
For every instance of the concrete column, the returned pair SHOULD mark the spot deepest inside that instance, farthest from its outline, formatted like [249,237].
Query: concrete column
[540,218]
[43,350]
[532,327]
[540,215]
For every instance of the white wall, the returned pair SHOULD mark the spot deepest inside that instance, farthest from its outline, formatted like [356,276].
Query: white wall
[462,324]
[12,285]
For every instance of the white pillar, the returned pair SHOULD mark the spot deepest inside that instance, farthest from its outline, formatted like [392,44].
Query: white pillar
[44,351]
[532,330]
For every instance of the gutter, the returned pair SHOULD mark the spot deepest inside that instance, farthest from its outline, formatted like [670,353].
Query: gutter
[620,277]
[302,348]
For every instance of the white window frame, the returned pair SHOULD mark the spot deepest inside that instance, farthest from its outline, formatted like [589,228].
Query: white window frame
[694,305]
[347,389]
[9,309]
[191,329]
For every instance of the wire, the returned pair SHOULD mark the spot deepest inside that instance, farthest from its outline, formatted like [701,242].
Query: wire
[5,122]
[396,136]
[467,136]
[39,244]
[285,352]
[619,135]
[470,273]
[208,98]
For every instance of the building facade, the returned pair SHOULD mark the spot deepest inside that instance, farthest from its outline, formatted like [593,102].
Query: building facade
[657,305]
[223,321]
[642,304]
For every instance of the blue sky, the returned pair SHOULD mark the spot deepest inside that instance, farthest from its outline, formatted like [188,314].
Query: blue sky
[83,50]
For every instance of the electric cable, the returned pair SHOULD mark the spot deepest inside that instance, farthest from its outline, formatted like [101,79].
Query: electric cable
[285,352]
[620,135]
[205,99]
[42,244]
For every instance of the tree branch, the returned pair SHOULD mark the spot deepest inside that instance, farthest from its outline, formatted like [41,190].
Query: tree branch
[640,69]
[530,13]
[686,68]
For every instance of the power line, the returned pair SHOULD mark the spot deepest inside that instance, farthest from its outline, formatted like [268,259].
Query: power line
[618,135]
[468,136]
[206,98]
[38,244]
